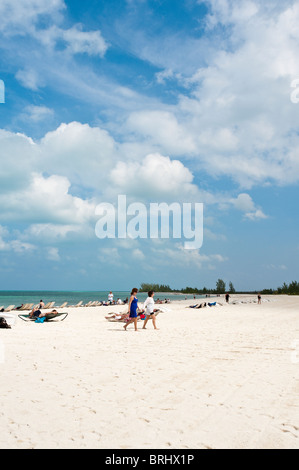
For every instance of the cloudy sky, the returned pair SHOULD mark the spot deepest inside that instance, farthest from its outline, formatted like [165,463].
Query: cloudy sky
[161,101]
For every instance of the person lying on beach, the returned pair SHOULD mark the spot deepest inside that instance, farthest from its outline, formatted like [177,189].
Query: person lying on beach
[38,314]
[54,312]
[35,312]
[117,316]
[198,305]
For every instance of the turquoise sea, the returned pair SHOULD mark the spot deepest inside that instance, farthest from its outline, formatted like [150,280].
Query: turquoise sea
[23,297]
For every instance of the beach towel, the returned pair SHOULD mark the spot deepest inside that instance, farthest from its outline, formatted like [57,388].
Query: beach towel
[40,320]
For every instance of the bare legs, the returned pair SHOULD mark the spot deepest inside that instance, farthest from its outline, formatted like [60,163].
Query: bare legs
[150,317]
[133,320]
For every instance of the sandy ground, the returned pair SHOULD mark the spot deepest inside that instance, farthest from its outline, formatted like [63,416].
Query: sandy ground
[219,377]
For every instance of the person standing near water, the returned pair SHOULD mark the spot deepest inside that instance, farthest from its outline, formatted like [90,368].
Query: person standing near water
[110,297]
[132,309]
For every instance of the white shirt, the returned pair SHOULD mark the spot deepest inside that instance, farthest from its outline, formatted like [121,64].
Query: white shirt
[110,297]
[149,305]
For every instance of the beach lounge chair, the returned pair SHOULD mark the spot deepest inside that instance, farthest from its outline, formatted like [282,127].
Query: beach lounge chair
[26,307]
[56,317]
[9,309]
[78,304]
[22,308]
[88,304]
[50,317]
[49,305]
[63,305]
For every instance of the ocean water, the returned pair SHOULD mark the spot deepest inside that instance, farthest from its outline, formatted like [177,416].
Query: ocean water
[59,297]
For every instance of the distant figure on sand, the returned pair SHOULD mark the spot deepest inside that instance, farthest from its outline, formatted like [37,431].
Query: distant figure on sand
[110,297]
[149,310]
[259,298]
[227,296]
[132,309]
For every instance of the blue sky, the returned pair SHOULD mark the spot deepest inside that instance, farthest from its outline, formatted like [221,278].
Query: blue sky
[160,100]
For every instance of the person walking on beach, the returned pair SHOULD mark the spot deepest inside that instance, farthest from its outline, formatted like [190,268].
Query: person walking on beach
[227,296]
[259,298]
[132,309]
[149,305]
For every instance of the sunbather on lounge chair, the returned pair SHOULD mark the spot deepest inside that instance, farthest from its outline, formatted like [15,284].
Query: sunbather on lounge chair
[45,314]
[38,314]
[35,312]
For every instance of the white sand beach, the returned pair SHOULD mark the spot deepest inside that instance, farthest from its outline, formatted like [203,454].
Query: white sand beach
[219,377]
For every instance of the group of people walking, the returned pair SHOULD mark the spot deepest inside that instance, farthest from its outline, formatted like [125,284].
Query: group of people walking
[149,306]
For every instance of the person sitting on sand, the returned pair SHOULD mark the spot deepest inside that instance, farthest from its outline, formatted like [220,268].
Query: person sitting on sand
[149,310]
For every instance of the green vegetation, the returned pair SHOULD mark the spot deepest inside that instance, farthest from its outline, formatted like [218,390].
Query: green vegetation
[220,288]
[291,289]
[155,287]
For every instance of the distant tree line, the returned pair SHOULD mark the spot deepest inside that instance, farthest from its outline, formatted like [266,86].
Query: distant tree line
[221,288]
[291,289]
